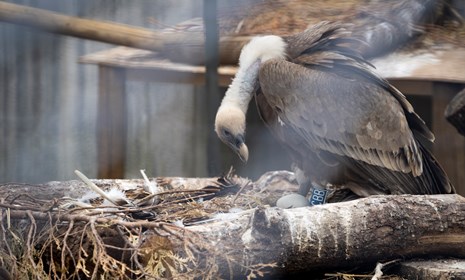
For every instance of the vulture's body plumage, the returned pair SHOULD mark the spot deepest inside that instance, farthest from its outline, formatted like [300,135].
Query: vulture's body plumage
[342,124]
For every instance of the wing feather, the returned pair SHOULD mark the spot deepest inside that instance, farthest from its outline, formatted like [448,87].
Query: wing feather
[340,114]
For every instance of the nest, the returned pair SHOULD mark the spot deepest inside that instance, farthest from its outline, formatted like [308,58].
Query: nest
[143,236]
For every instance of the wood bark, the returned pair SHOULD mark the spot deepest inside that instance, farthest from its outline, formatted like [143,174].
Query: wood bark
[435,269]
[455,112]
[321,238]
[349,234]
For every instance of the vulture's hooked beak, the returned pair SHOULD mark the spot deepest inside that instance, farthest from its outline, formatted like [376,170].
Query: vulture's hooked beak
[237,143]
[243,152]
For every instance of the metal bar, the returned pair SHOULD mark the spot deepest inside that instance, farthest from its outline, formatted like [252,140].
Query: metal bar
[211,82]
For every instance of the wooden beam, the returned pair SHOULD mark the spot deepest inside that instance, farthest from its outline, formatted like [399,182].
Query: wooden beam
[112,123]
[109,32]
[212,63]
[449,147]
[173,76]
[413,86]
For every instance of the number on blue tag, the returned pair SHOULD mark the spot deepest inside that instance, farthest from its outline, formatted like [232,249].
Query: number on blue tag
[318,196]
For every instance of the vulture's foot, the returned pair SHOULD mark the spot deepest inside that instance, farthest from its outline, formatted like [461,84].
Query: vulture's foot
[304,188]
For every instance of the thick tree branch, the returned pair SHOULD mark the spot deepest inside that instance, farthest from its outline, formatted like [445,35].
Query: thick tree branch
[334,236]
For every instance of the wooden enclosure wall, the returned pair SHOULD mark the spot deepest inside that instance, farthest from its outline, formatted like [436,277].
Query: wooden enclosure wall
[48,100]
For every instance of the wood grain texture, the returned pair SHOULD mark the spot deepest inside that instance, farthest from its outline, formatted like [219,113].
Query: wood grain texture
[449,147]
[346,234]
[112,123]
[433,269]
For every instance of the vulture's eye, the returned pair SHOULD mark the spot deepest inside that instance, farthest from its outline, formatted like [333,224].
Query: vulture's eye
[226,133]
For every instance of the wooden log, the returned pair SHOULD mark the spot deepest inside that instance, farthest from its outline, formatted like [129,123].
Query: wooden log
[344,235]
[455,112]
[321,238]
[436,269]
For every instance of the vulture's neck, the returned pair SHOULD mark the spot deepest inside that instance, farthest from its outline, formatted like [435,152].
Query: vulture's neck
[241,89]
[257,51]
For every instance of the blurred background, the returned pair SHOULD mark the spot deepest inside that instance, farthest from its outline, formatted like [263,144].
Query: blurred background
[48,100]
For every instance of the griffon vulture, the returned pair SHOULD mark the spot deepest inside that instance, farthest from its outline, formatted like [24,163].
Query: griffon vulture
[342,124]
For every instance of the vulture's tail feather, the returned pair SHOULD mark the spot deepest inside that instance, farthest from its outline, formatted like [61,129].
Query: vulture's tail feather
[379,180]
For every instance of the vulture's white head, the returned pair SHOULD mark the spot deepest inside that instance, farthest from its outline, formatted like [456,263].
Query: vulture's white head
[230,118]
[230,128]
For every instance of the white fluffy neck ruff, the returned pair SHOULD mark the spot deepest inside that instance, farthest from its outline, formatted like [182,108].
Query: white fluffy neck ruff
[257,51]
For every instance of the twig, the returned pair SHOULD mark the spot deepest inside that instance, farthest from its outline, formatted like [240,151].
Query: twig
[29,242]
[65,247]
[98,247]
[4,236]
[135,253]
[16,207]
[240,190]
[52,270]
[83,218]
[81,251]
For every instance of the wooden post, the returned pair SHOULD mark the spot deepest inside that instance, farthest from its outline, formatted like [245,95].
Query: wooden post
[449,147]
[112,123]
